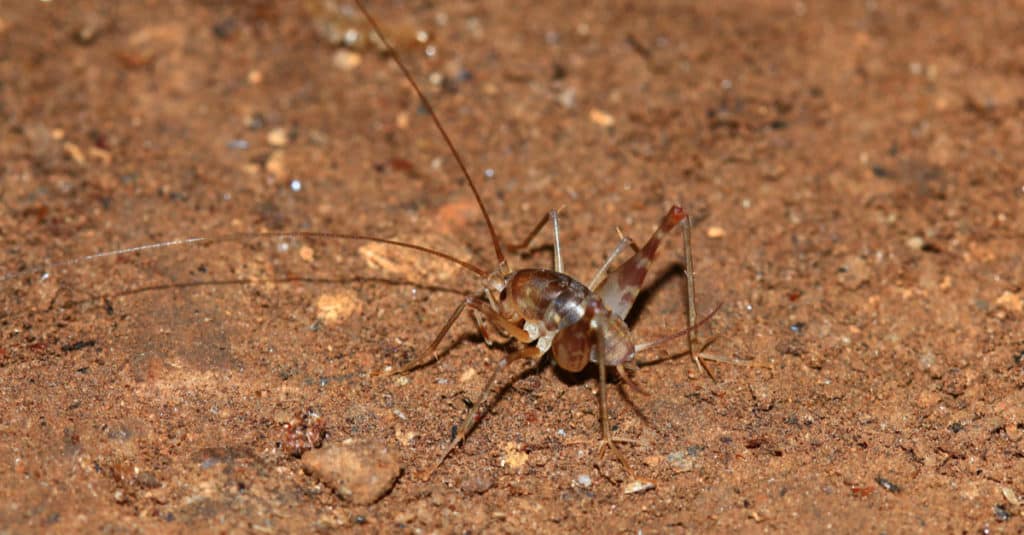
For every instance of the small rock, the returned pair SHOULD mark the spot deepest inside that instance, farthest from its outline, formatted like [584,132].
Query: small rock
[276,165]
[716,232]
[74,152]
[91,27]
[888,485]
[467,375]
[347,60]
[303,432]
[147,480]
[638,486]
[514,457]
[567,98]
[405,438]
[681,461]
[278,137]
[652,460]
[602,118]
[306,253]
[360,472]
[338,306]
[1010,302]
[915,242]
[584,481]
[402,120]
[100,155]
[1010,496]
[853,272]
[477,484]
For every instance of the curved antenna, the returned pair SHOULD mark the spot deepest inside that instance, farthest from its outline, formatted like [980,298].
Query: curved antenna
[42,268]
[437,122]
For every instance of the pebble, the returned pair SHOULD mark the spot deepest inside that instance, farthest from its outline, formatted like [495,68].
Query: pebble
[716,232]
[467,375]
[147,480]
[602,118]
[1010,496]
[1010,301]
[514,456]
[275,164]
[402,121]
[681,461]
[652,460]
[477,484]
[915,242]
[347,60]
[853,272]
[638,486]
[74,152]
[278,137]
[567,98]
[92,26]
[100,155]
[887,485]
[359,472]
[584,480]
[338,306]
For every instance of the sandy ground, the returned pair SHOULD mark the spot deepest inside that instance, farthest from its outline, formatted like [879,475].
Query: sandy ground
[854,169]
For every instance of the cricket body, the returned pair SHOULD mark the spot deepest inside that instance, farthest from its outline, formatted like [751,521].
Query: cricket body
[549,310]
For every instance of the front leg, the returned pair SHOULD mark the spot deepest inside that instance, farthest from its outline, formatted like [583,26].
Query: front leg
[490,335]
[478,305]
[529,352]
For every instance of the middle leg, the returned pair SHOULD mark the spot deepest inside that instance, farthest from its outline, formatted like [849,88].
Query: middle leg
[550,216]
[624,242]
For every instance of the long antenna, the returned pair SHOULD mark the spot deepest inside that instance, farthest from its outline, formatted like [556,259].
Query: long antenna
[42,268]
[437,122]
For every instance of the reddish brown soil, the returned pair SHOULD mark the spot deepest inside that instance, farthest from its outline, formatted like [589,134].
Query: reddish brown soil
[862,161]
